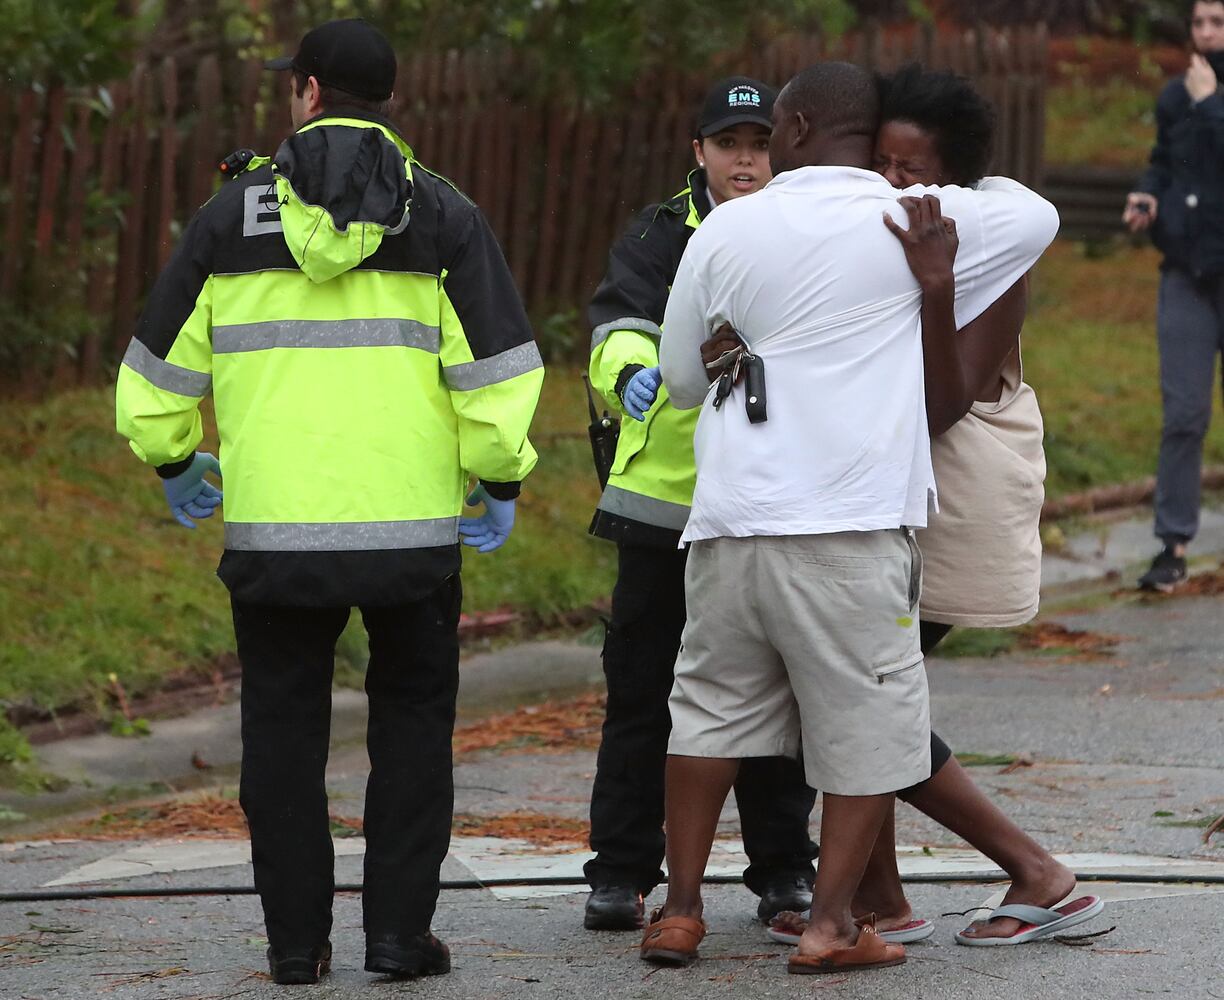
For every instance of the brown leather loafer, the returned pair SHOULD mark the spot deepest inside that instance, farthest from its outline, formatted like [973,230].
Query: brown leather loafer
[869,952]
[672,940]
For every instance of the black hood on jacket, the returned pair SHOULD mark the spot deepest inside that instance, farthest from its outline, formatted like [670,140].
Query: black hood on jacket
[353,174]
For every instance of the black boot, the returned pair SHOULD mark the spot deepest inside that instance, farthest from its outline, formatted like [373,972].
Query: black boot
[784,892]
[406,957]
[614,908]
[300,968]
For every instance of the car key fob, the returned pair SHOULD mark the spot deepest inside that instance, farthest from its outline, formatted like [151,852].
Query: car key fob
[754,383]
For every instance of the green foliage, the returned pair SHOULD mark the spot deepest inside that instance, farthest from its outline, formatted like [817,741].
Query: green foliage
[589,49]
[976,642]
[76,42]
[125,727]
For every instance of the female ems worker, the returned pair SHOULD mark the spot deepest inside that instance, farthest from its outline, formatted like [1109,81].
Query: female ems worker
[643,510]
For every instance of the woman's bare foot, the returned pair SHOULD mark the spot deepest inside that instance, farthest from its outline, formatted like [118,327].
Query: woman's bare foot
[1046,885]
[890,909]
[823,936]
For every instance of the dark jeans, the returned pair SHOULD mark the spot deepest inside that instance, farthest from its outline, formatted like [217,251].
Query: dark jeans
[774,801]
[1190,333]
[288,657]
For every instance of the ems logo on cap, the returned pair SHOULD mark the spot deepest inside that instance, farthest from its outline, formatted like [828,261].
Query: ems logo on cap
[743,97]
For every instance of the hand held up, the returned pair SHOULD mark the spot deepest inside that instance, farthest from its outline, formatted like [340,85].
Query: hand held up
[930,243]
[1140,211]
[1201,80]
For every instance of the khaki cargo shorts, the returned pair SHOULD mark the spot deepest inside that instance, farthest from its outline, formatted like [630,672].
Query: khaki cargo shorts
[806,643]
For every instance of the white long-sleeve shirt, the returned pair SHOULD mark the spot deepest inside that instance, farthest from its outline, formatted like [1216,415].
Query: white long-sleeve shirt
[812,279]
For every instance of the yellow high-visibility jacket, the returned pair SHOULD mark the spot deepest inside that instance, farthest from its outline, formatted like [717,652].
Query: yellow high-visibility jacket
[650,489]
[358,327]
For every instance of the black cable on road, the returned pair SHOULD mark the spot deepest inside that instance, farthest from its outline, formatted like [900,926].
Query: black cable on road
[541,881]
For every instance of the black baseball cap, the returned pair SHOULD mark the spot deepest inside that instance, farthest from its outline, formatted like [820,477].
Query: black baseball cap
[351,55]
[733,101]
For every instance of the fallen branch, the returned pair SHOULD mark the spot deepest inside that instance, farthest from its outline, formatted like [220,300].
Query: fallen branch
[1113,497]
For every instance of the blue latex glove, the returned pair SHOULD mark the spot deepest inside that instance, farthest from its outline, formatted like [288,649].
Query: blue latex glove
[641,391]
[492,528]
[189,494]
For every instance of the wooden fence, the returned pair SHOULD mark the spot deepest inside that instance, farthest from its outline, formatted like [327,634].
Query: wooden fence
[99,185]
[1090,200]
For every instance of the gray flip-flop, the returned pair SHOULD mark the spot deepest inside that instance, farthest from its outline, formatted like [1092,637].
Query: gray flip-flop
[1036,922]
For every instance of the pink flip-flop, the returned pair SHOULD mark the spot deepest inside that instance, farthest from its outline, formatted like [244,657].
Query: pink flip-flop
[788,927]
[1036,922]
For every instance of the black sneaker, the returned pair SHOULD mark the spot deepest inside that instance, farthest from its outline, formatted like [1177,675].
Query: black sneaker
[302,968]
[784,892]
[614,908]
[403,957]
[1166,572]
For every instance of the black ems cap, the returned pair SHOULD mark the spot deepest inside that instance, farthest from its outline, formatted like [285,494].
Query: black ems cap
[350,55]
[733,101]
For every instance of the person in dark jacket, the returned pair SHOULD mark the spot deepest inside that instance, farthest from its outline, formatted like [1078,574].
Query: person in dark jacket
[1181,201]
[643,510]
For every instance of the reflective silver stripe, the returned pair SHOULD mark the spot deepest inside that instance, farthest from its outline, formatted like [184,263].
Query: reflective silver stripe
[258,536]
[661,513]
[489,371]
[325,333]
[164,375]
[605,330]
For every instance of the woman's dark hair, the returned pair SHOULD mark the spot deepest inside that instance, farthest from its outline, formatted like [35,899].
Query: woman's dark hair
[957,117]
[331,97]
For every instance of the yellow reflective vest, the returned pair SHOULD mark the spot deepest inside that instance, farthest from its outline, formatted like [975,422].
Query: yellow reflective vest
[356,323]
[650,489]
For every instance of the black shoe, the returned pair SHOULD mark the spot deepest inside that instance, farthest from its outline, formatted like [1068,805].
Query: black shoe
[1166,572]
[784,892]
[614,908]
[406,957]
[300,968]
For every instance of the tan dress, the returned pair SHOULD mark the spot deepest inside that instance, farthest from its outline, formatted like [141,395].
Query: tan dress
[982,551]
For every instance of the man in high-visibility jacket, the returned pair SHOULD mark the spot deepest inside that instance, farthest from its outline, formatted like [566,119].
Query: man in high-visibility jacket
[357,325]
[644,509]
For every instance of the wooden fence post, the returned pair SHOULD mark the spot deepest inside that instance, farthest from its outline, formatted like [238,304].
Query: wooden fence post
[101,272]
[129,266]
[168,146]
[52,172]
[205,139]
[21,163]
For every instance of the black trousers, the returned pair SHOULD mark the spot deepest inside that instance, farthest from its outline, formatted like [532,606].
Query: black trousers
[774,801]
[288,657]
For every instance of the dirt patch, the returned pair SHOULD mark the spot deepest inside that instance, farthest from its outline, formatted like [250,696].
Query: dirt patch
[552,726]
[219,817]
[1052,638]
[207,816]
[540,829]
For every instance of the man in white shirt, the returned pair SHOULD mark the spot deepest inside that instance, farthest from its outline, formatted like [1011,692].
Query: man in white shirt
[803,578]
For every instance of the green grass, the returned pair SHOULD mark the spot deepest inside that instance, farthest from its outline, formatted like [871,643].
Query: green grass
[1111,124]
[1090,353]
[985,759]
[96,579]
[976,642]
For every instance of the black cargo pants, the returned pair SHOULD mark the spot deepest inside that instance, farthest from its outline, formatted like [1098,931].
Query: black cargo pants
[774,801]
[288,657]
